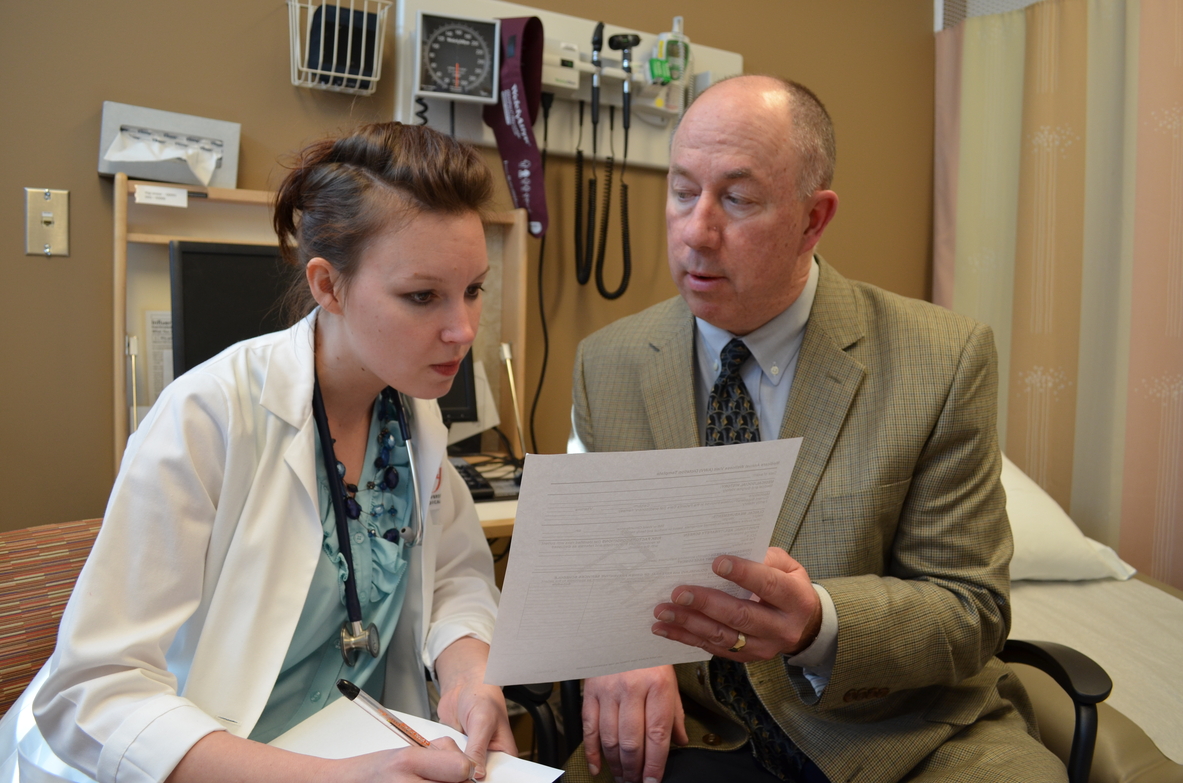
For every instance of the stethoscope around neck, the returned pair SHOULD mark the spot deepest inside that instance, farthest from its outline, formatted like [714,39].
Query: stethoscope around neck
[354,636]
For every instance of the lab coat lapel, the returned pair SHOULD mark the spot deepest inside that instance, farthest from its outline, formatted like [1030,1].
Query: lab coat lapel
[667,382]
[824,387]
[287,393]
[430,437]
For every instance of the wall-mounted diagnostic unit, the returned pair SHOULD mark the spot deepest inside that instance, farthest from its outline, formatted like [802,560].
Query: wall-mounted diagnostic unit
[444,74]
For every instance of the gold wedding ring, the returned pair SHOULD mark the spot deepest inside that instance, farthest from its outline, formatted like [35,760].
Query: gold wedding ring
[739,643]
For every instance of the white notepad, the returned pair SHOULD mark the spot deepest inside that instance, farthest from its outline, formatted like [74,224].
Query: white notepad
[343,729]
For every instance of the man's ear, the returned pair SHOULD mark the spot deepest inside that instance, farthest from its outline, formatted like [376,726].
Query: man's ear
[324,281]
[823,205]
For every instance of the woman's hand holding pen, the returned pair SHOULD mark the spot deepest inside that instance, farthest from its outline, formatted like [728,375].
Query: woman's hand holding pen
[226,758]
[443,762]
[468,704]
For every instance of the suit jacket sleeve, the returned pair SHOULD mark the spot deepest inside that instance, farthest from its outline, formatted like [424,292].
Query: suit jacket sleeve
[940,608]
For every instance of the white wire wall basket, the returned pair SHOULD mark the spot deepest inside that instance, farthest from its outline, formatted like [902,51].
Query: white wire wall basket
[338,46]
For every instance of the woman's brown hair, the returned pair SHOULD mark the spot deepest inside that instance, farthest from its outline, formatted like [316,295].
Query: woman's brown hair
[343,192]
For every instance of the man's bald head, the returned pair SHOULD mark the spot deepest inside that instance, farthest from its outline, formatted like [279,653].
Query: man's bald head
[808,124]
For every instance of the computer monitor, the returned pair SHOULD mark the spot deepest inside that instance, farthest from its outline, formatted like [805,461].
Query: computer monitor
[459,404]
[222,293]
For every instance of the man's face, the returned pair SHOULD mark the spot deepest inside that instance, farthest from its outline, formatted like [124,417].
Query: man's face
[737,230]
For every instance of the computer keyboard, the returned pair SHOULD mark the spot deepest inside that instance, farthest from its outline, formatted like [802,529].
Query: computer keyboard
[478,486]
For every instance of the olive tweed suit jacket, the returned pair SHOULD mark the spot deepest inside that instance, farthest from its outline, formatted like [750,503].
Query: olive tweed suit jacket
[895,507]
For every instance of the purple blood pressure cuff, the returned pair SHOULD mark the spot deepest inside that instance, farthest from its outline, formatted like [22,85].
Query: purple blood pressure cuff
[512,118]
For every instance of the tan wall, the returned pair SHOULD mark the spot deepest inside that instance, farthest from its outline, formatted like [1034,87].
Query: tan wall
[872,63]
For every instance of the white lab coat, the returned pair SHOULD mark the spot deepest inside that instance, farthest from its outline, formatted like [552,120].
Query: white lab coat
[183,614]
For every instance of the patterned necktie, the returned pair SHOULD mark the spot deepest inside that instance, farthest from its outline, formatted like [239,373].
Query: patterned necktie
[732,418]
[731,415]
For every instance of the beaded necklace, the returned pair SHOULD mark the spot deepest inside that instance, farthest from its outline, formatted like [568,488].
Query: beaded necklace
[385,473]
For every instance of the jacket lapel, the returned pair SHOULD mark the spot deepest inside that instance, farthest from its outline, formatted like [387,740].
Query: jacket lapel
[824,386]
[430,437]
[667,382]
[287,393]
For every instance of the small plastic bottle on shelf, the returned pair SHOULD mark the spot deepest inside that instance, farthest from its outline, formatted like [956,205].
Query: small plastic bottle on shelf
[673,49]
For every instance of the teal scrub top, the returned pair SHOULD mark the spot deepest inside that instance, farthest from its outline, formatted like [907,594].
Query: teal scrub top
[308,677]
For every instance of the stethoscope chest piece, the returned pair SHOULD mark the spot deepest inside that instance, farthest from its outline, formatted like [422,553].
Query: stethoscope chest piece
[354,638]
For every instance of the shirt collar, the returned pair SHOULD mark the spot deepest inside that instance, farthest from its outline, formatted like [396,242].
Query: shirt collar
[773,344]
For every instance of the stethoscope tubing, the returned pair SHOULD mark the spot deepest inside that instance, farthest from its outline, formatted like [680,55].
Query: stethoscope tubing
[352,605]
[415,537]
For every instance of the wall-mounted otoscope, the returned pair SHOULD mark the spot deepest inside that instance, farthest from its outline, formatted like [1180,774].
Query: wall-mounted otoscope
[585,246]
[623,43]
[597,43]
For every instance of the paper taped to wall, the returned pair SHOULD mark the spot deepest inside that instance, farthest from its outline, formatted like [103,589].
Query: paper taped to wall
[159,328]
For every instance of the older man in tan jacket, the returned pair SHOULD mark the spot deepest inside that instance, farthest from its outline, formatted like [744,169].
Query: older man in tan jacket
[867,650]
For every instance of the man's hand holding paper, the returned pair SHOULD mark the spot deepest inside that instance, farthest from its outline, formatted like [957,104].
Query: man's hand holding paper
[783,615]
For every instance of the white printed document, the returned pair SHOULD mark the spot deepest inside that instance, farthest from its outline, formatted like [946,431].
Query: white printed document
[600,539]
[343,730]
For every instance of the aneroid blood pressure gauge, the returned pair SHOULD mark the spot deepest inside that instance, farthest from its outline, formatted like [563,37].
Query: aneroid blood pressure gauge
[458,58]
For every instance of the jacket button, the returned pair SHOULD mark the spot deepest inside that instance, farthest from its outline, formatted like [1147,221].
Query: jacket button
[712,739]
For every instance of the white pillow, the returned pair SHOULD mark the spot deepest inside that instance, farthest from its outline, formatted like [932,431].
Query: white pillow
[1048,544]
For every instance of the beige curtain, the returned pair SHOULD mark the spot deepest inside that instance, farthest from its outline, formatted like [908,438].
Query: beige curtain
[1059,221]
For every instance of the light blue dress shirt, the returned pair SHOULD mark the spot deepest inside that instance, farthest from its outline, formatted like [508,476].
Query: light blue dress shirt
[768,375]
[309,674]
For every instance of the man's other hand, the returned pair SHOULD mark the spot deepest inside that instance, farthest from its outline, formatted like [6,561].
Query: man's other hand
[629,720]
[783,616]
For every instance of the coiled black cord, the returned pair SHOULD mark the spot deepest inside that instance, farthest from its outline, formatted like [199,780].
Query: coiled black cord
[547,99]
[579,263]
[421,113]
[609,163]
[583,273]
[626,272]
[583,261]
[625,250]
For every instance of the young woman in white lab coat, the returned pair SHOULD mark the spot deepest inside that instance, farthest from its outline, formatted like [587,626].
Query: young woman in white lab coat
[207,619]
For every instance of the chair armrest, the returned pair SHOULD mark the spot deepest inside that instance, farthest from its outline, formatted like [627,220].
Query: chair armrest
[1080,676]
[1082,679]
[571,692]
[534,699]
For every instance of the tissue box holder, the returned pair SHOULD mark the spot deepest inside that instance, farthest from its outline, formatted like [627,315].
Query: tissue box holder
[120,115]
